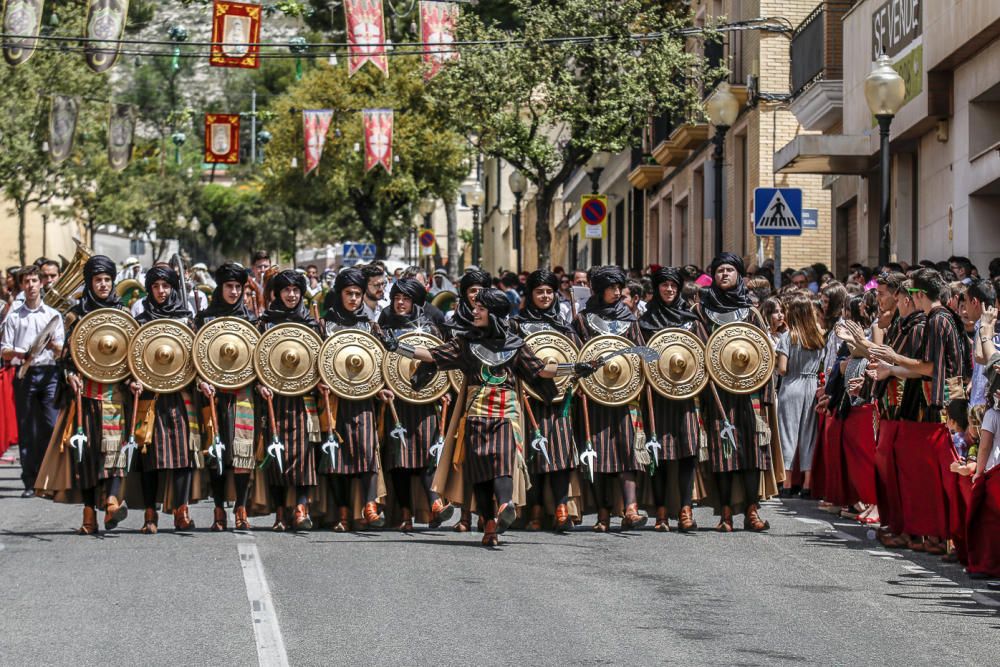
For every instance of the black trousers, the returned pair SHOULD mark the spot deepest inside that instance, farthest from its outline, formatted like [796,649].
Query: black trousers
[35,403]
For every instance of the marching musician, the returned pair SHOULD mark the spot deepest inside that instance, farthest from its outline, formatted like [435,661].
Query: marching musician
[616,429]
[676,420]
[35,393]
[355,427]
[742,459]
[102,406]
[174,445]
[542,312]
[234,408]
[406,313]
[293,426]
[493,358]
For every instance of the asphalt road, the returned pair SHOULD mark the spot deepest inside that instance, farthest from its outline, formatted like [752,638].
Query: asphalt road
[813,590]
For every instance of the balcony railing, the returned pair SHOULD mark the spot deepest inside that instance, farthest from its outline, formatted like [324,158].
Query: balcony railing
[817,48]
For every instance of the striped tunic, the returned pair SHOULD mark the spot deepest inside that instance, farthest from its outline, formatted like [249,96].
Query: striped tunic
[678,427]
[943,349]
[299,456]
[97,463]
[613,428]
[226,405]
[421,424]
[898,398]
[356,431]
[743,411]
[492,427]
[170,448]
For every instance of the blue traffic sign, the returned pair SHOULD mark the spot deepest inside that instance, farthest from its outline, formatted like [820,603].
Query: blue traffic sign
[810,218]
[358,252]
[777,212]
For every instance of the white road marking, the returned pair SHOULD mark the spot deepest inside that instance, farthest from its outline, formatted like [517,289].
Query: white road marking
[270,644]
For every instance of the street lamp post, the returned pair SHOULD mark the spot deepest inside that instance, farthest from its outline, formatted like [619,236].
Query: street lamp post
[723,108]
[474,197]
[518,184]
[427,207]
[884,92]
[595,167]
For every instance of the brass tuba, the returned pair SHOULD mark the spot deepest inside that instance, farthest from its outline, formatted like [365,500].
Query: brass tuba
[444,300]
[129,291]
[61,294]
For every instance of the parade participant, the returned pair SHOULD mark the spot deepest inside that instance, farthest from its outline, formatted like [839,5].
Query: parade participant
[234,408]
[542,313]
[354,420]
[745,456]
[298,468]
[615,429]
[493,359]
[35,392]
[174,447]
[676,420]
[406,313]
[102,408]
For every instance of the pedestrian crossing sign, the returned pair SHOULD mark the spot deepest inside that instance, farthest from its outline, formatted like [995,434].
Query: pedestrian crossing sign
[777,212]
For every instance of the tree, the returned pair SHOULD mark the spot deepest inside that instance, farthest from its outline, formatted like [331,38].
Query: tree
[546,104]
[345,202]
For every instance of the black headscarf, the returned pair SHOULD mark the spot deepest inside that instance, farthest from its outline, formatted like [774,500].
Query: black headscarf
[334,304]
[661,315]
[95,266]
[601,278]
[725,301]
[463,312]
[497,335]
[550,316]
[277,312]
[227,273]
[415,291]
[175,307]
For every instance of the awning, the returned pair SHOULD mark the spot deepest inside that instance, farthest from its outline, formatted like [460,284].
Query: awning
[826,154]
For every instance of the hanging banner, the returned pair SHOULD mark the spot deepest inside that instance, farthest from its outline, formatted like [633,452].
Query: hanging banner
[105,27]
[315,124]
[121,132]
[437,31]
[365,35]
[235,35]
[62,127]
[222,138]
[24,19]
[378,138]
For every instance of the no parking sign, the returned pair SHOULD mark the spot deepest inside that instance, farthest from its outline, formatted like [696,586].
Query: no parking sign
[593,216]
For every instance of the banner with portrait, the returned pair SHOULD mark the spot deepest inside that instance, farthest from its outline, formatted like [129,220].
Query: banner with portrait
[438,21]
[315,125]
[365,35]
[22,21]
[105,26]
[235,35]
[121,134]
[222,138]
[378,138]
[62,127]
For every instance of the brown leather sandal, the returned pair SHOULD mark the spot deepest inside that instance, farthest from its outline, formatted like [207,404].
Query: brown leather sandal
[752,520]
[373,517]
[219,520]
[240,520]
[440,512]
[534,524]
[406,525]
[490,538]
[685,522]
[564,523]
[662,524]
[182,519]
[151,520]
[114,513]
[343,520]
[725,520]
[279,520]
[301,520]
[633,518]
[603,520]
[89,524]
[464,524]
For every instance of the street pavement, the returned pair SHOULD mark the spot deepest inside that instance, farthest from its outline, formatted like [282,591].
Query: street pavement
[814,589]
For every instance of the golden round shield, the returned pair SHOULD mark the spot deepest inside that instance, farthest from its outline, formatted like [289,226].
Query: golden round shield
[223,352]
[160,358]
[285,359]
[350,363]
[552,346]
[618,381]
[397,371]
[680,372]
[99,344]
[739,357]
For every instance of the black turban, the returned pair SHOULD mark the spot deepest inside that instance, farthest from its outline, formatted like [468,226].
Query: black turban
[175,307]
[497,334]
[278,312]
[661,315]
[601,278]
[226,273]
[410,287]
[95,266]
[415,291]
[463,311]
[719,300]
[551,316]
[473,278]
[334,304]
